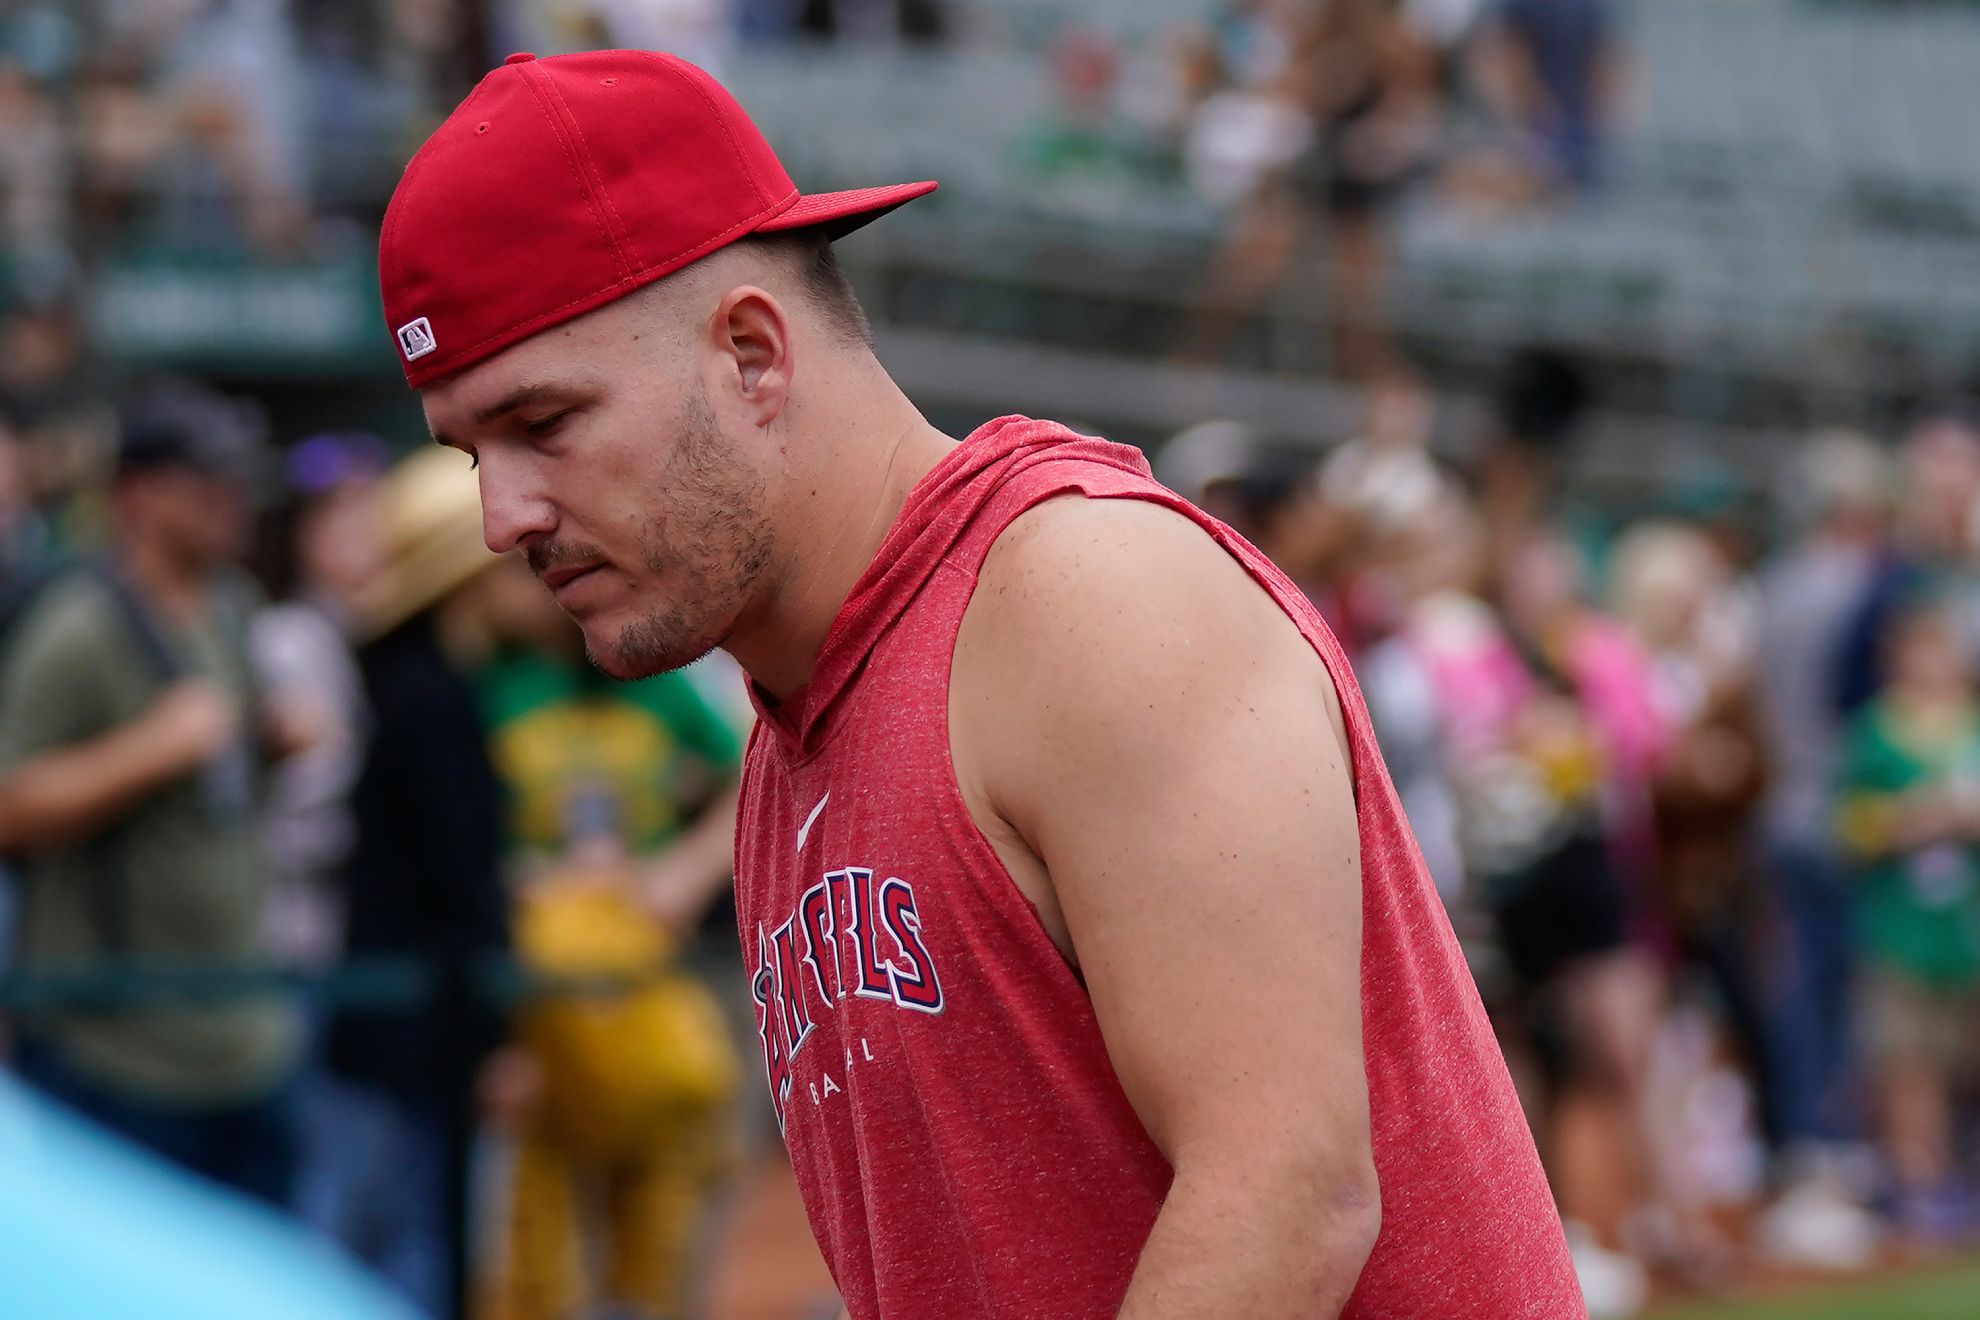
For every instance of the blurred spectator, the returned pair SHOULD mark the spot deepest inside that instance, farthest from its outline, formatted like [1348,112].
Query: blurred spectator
[1939,470]
[1910,814]
[1106,129]
[1549,67]
[875,20]
[302,653]
[39,354]
[1430,690]
[1671,584]
[1449,28]
[424,885]
[1370,83]
[1409,528]
[1386,474]
[1246,125]
[1272,498]
[1201,456]
[767,21]
[695,30]
[1541,397]
[1243,136]
[67,437]
[325,545]
[1810,594]
[621,820]
[129,736]
[1680,597]
[34,176]
[1309,116]
[27,549]
[1562,828]
[216,88]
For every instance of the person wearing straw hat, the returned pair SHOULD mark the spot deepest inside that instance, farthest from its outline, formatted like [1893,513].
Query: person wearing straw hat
[1096,971]
[423,883]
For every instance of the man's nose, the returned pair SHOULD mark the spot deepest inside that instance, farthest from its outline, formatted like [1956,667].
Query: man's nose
[512,514]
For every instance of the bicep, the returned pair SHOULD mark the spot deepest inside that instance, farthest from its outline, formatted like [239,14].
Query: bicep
[1216,914]
[1173,758]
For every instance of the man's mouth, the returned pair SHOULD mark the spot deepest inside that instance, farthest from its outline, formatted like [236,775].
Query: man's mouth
[563,575]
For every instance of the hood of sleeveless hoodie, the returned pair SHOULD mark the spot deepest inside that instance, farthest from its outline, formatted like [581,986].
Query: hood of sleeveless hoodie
[932,520]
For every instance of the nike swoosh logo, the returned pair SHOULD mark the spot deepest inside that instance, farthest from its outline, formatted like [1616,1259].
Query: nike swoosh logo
[805,828]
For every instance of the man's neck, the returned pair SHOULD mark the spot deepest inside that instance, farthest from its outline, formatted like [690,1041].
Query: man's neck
[168,582]
[845,490]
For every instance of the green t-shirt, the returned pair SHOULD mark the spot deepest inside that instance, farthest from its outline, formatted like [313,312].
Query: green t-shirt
[179,879]
[1918,910]
[559,729]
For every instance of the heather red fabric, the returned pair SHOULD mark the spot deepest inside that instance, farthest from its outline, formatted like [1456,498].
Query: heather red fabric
[563,183]
[962,1143]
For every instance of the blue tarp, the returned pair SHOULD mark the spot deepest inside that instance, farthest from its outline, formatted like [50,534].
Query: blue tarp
[92,1228]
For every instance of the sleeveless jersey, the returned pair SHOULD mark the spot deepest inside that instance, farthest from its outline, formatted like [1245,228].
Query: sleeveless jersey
[961,1141]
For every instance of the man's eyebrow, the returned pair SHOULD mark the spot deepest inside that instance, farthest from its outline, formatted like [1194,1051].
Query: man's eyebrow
[521,396]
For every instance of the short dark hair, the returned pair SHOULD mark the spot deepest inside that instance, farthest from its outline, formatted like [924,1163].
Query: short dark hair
[1542,395]
[810,253]
[173,422]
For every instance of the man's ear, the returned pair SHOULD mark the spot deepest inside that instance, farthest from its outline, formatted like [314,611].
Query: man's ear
[752,335]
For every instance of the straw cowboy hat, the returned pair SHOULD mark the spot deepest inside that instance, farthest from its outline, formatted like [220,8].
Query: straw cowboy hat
[430,511]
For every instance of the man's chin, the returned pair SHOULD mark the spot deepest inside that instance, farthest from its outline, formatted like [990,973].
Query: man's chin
[612,665]
[625,655]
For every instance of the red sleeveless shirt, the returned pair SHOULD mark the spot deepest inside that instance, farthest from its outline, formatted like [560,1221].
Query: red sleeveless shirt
[962,1144]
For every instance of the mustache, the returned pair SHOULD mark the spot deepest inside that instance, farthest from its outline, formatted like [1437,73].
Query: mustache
[547,556]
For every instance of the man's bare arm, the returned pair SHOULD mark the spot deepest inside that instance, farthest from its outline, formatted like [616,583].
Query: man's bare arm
[687,878]
[1156,752]
[67,793]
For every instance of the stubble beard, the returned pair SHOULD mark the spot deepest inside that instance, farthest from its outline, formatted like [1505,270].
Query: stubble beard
[709,544]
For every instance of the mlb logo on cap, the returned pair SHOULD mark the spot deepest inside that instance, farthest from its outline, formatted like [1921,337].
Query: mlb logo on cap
[416,339]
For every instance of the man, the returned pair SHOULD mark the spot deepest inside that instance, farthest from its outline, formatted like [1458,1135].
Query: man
[1096,971]
[1810,597]
[127,788]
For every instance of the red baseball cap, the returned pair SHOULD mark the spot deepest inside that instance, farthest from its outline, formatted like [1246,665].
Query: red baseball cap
[561,184]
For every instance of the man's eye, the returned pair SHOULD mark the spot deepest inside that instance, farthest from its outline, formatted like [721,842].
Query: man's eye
[548,424]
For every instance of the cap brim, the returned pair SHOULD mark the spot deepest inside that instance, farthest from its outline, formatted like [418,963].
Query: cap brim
[839,213]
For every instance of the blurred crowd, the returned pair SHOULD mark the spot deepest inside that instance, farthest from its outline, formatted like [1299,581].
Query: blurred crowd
[374,901]
[335,874]
[338,876]
[230,135]
[1309,123]
[1317,118]
[1697,786]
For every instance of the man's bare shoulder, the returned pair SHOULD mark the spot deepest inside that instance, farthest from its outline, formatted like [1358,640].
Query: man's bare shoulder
[1079,555]
[1071,522]
[1130,569]
[1096,609]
